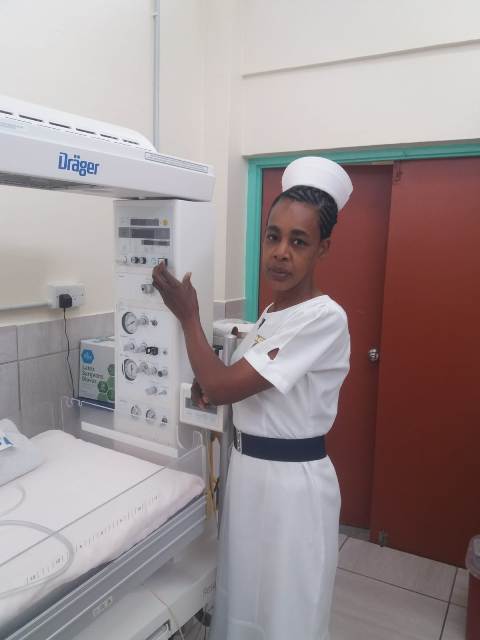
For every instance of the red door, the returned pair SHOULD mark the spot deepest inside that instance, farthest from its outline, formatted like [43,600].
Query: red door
[426,494]
[353,275]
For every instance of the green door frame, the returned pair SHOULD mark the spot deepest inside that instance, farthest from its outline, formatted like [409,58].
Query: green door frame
[256,165]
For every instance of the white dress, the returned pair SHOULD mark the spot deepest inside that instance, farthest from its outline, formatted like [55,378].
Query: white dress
[278,545]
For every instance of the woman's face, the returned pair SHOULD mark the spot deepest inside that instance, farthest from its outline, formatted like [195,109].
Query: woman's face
[291,245]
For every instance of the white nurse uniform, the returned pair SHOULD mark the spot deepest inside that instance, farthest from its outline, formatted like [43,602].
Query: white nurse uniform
[279,536]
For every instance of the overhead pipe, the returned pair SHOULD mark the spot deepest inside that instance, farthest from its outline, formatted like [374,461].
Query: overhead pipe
[156,74]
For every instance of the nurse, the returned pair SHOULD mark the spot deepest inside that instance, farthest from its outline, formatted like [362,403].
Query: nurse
[278,545]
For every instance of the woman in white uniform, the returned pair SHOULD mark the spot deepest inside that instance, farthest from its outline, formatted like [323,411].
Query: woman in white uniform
[279,534]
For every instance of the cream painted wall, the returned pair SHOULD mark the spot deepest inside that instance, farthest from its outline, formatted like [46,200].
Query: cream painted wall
[282,34]
[237,78]
[92,58]
[327,75]
[416,97]
[223,140]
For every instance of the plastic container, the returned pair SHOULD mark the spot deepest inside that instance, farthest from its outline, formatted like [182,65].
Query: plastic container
[472,562]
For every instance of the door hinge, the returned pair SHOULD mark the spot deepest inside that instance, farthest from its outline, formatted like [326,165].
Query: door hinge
[397,173]
[383,538]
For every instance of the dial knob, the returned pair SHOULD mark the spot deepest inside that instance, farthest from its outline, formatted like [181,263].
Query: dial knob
[130,346]
[147,288]
[164,420]
[163,372]
[142,321]
[150,414]
[135,410]
[151,391]
[143,367]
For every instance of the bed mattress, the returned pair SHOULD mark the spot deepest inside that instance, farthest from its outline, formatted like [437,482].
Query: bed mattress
[83,507]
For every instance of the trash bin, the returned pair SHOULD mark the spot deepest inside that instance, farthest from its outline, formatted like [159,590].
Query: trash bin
[472,562]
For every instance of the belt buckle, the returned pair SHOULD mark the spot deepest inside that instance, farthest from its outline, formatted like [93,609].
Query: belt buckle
[238,440]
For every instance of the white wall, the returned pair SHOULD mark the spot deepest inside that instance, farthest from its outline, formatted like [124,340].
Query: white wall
[91,58]
[237,78]
[323,75]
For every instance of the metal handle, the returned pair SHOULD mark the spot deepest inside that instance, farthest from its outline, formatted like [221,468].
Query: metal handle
[373,354]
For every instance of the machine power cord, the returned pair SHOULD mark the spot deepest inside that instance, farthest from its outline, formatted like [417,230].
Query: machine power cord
[68,352]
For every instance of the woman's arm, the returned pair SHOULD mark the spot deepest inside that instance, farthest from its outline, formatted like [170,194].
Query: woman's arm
[220,383]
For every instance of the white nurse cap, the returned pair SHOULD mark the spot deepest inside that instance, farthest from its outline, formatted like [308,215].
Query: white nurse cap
[321,173]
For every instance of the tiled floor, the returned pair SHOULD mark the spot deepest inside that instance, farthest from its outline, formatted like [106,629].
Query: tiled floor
[384,594]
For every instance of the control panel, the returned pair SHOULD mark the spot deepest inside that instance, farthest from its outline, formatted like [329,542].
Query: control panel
[151,357]
[143,241]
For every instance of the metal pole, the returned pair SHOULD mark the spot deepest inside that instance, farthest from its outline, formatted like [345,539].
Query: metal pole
[156,75]
[229,345]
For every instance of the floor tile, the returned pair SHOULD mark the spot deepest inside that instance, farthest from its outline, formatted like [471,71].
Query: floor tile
[455,624]
[366,609]
[355,532]
[422,575]
[460,590]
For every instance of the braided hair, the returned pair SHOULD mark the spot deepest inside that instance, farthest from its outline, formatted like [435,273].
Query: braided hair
[323,203]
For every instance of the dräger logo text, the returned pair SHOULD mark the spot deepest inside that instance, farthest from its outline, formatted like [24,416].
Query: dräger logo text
[82,167]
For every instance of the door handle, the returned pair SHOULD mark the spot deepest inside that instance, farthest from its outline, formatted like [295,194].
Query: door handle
[373,354]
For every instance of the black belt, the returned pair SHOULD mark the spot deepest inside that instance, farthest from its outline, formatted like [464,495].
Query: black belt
[280,449]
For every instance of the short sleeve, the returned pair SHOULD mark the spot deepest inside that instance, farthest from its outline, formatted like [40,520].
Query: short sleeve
[309,342]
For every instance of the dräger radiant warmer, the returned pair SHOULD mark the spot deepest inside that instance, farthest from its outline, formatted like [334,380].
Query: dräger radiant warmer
[164,214]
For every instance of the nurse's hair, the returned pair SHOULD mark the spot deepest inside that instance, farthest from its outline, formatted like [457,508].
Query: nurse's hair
[323,203]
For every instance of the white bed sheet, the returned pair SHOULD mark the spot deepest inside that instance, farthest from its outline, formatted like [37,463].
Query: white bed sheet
[101,501]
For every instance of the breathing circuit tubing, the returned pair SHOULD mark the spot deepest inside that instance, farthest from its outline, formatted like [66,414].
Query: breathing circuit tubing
[40,528]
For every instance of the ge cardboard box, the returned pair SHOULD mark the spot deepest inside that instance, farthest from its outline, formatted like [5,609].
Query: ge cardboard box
[97,370]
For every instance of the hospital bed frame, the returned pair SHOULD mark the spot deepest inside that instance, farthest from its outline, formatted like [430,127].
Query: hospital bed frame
[69,615]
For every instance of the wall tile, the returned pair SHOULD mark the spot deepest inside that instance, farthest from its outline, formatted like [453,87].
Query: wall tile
[218,310]
[43,381]
[8,344]
[235,308]
[96,326]
[44,338]
[9,401]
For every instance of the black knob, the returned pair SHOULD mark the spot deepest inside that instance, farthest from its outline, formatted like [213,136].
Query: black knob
[152,351]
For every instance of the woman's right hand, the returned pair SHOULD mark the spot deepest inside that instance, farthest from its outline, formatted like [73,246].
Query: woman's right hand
[199,399]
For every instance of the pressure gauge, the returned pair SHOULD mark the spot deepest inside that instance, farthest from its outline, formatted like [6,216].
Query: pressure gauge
[129,322]
[130,369]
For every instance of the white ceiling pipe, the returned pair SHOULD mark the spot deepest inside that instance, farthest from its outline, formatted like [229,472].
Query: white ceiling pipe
[156,74]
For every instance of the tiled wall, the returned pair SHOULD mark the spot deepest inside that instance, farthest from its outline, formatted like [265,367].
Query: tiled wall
[33,369]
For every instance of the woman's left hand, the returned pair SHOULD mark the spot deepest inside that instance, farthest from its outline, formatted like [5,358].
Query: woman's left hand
[179,297]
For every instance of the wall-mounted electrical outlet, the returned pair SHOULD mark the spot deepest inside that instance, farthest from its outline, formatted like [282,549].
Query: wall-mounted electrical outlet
[77,291]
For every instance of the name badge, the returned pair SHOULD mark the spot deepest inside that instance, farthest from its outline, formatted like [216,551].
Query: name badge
[5,442]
